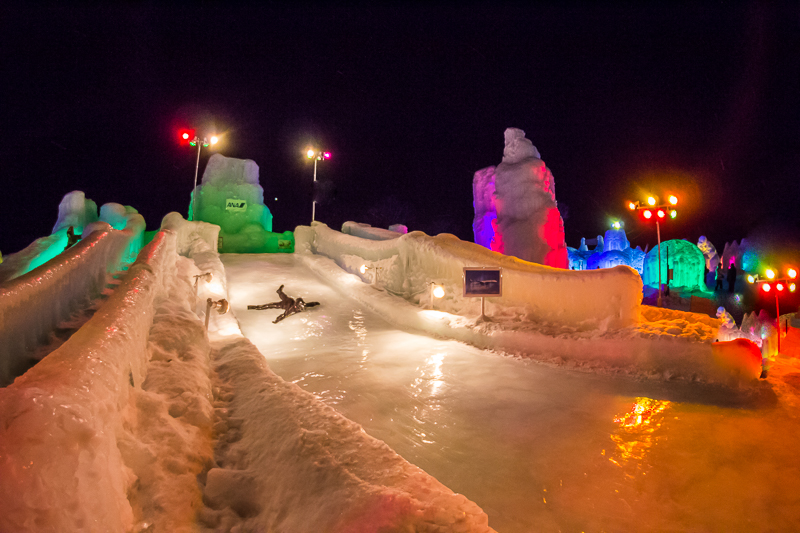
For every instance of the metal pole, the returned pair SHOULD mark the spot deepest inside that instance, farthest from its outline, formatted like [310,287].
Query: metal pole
[778,320]
[196,168]
[658,233]
[314,200]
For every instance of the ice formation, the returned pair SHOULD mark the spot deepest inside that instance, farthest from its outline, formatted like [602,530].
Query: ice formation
[368,232]
[684,259]
[520,216]
[231,197]
[709,252]
[611,250]
[77,211]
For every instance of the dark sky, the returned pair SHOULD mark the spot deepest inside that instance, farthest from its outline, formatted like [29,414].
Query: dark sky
[411,99]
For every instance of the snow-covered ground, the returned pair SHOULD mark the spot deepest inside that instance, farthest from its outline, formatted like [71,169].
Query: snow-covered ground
[537,446]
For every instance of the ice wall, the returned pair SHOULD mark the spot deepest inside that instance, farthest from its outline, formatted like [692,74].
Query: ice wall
[59,457]
[33,304]
[231,197]
[365,231]
[584,299]
[528,220]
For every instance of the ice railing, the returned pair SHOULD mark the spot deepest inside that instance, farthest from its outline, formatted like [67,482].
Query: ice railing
[61,418]
[608,298]
[33,304]
[44,249]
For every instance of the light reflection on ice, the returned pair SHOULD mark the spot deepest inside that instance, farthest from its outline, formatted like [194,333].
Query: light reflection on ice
[636,434]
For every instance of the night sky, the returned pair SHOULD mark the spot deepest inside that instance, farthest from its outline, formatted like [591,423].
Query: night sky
[698,98]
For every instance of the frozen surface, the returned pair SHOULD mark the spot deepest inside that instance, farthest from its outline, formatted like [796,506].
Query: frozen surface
[539,448]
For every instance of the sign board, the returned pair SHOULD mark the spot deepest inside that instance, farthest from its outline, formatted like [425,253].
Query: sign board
[232,204]
[483,281]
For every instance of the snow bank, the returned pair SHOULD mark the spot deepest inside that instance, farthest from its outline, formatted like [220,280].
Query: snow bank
[59,458]
[605,299]
[33,304]
[365,231]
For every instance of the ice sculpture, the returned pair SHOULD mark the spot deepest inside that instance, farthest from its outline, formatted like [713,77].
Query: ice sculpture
[231,197]
[683,257]
[515,206]
[709,252]
[611,250]
[77,211]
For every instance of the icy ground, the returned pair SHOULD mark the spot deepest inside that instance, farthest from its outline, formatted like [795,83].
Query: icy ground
[538,447]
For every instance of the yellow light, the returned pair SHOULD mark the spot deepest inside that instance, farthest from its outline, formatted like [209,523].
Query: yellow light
[770,273]
[363,269]
[616,224]
[673,199]
[631,206]
[310,153]
[214,139]
[438,291]
[651,201]
[792,273]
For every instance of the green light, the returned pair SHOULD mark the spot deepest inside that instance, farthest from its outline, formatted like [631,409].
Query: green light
[193,143]
[616,224]
[673,214]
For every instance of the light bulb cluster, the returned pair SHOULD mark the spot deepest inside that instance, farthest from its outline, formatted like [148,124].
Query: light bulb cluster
[653,209]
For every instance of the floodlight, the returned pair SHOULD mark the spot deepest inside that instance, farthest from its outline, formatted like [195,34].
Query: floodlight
[673,199]
[660,213]
[438,291]
[766,287]
[631,206]
[651,200]
[310,153]
[770,273]
[779,286]
[751,279]
[214,139]
[673,214]
[647,214]
[792,273]
[363,269]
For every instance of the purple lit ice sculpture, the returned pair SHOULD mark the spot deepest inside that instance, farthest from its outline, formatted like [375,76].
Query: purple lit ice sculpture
[515,206]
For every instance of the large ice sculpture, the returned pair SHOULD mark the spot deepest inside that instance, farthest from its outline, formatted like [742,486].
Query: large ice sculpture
[612,250]
[520,216]
[709,252]
[231,197]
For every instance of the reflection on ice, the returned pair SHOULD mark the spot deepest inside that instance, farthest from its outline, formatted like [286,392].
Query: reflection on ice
[636,433]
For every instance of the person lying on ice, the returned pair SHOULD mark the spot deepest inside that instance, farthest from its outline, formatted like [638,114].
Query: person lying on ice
[290,306]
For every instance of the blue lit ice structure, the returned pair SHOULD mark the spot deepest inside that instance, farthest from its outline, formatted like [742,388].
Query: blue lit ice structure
[611,250]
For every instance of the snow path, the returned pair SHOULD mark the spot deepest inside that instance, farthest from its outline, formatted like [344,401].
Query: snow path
[537,447]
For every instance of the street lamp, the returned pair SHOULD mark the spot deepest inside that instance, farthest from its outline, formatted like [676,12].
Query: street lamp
[316,155]
[780,284]
[660,212]
[194,140]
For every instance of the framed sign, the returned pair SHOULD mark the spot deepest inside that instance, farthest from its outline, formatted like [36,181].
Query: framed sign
[483,281]
[232,204]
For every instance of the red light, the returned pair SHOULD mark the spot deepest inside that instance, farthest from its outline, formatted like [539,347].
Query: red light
[779,286]
[326,155]
[186,136]
[766,287]
[661,213]
[647,214]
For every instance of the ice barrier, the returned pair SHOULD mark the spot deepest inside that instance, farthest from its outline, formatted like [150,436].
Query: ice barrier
[608,298]
[44,249]
[368,232]
[61,418]
[33,304]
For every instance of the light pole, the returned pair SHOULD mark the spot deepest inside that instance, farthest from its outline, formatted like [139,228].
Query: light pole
[316,155]
[779,285]
[196,141]
[660,212]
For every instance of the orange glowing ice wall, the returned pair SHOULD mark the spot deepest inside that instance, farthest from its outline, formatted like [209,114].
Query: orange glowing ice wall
[515,206]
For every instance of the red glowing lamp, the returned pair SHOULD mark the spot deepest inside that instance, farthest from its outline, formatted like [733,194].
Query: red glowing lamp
[647,214]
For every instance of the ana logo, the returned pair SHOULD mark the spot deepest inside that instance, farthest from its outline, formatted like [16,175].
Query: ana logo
[235,205]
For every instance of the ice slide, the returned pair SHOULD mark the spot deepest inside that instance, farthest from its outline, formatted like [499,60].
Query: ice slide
[34,305]
[538,447]
[113,430]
